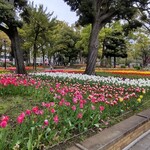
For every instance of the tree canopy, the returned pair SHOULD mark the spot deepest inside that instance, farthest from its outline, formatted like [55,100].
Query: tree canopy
[99,13]
[10,12]
[36,32]
[63,42]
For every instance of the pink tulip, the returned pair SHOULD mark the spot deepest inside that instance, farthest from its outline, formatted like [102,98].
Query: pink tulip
[93,100]
[81,105]
[56,119]
[101,108]
[20,119]
[93,107]
[52,103]
[28,112]
[5,118]
[3,124]
[57,85]
[60,103]
[22,114]
[39,112]
[73,107]
[75,100]
[43,104]
[35,109]
[51,89]
[52,110]
[46,122]
[80,115]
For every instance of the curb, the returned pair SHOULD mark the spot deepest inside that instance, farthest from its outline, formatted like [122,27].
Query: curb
[118,136]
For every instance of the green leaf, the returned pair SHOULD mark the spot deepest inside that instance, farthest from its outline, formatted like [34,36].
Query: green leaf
[97,125]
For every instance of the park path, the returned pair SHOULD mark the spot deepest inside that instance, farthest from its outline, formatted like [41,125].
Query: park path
[141,143]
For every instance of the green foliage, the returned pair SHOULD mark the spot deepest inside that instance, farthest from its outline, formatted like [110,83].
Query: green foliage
[115,45]
[39,25]
[8,13]
[144,16]
[87,10]
[84,10]
[123,66]
[137,67]
[139,48]
[64,39]
[36,32]
[83,42]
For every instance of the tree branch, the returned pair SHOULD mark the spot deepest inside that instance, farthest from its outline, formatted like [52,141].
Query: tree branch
[4,30]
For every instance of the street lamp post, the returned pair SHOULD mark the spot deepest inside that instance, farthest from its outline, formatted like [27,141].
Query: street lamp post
[5,53]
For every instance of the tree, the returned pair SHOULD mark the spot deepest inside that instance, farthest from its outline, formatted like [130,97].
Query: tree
[142,47]
[9,23]
[99,13]
[64,39]
[37,30]
[26,43]
[144,16]
[115,46]
[82,43]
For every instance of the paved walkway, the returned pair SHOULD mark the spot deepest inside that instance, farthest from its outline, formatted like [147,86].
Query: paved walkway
[141,143]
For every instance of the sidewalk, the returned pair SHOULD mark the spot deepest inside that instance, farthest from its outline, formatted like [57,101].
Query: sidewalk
[120,135]
[141,143]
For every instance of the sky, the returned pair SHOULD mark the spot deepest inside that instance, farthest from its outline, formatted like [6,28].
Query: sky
[60,9]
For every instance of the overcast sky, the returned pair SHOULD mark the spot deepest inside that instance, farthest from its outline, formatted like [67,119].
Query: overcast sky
[60,9]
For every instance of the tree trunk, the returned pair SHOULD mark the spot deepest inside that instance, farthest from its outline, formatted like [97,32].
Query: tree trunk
[109,62]
[43,57]
[93,49]
[18,54]
[34,56]
[144,60]
[102,57]
[114,61]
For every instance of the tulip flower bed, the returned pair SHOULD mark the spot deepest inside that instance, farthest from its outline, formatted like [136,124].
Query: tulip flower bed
[62,105]
[28,68]
[130,72]
[3,71]
[118,72]
[66,70]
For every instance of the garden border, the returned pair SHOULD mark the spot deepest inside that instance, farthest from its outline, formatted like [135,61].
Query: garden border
[118,136]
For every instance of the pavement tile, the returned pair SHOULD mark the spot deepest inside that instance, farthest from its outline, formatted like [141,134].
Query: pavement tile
[129,124]
[145,113]
[148,136]
[144,143]
[101,139]
[137,148]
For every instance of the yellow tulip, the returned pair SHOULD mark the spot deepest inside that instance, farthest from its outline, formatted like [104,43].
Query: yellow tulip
[121,99]
[139,100]
[143,91]
[141,96]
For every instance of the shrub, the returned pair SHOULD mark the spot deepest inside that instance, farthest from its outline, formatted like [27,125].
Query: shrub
[137,67]
[123,66]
